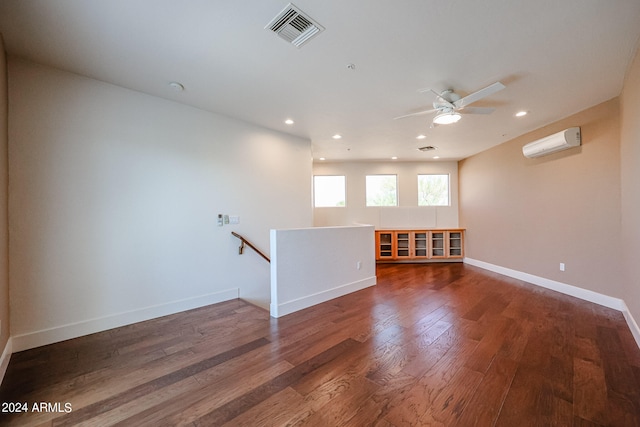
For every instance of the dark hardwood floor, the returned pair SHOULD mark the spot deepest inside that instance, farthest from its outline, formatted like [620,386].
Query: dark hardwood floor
[440,344]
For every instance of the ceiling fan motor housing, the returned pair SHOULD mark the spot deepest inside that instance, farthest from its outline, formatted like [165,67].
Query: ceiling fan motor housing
[445,99]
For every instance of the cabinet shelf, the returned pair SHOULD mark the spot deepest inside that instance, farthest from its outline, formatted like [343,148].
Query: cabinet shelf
[419,245]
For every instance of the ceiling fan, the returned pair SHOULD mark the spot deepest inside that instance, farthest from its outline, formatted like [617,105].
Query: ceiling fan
[450,106]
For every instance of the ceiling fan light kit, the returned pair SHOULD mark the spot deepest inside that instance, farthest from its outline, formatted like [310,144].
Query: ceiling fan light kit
[447,118]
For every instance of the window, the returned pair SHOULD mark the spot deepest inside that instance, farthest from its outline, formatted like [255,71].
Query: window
[433,190]
[381,190]
[328,191]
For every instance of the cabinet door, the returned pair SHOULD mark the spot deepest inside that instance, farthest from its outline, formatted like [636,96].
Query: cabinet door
[420,241]
[403,244]
[384,244]
[454,247]
[437,249]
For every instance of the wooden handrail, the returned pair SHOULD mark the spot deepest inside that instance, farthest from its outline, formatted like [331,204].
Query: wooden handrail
[248,243]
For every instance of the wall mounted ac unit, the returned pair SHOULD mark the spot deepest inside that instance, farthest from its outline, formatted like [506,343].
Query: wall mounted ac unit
[557,142]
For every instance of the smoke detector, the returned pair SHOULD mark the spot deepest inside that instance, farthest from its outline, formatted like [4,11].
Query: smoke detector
[294,26]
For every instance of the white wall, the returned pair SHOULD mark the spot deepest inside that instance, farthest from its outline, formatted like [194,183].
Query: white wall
[113,203]
[407,214]
[313,265]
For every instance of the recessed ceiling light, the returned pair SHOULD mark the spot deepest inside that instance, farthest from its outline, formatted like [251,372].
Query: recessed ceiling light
[337,136]
[521,113]
[322,158]
[436,157]
[289,122]
[176,86]
[420,136]
[394,158]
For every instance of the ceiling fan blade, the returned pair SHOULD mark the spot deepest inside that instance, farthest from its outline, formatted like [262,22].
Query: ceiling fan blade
[419,113]
[477,110]
[423,90]
[475,96]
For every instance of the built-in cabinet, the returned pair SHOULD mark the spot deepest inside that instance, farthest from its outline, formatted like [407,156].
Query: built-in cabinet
[419,245]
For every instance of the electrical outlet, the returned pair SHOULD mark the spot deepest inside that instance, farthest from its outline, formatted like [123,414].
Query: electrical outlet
[562,266]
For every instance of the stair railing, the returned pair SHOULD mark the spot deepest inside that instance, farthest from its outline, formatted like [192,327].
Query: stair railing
[244,241]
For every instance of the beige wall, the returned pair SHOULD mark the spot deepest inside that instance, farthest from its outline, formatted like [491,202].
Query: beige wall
[407,214]
[4,231]
[530,215]
[630,173]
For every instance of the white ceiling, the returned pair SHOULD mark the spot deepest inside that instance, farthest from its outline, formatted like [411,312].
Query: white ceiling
[555,57]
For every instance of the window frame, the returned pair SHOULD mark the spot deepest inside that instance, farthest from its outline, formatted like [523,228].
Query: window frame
[344,180]
[448,176]
[366,190]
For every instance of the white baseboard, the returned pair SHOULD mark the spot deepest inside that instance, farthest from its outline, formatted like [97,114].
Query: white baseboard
[633,325]
[73,330]
[4,359]
[282,309]
[574,291]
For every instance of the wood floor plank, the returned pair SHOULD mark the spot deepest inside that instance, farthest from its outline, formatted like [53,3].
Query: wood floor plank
[589,392]
[341,400]
[277,410]
[105,405]
[515,340]
[629,346]
[358,361]
[489,345]
[437,344]
[118,414]
[428,358]
[485,404]
[188,407]
[452,400]
[148,378]
[374,410]
[235,407]
[409,408]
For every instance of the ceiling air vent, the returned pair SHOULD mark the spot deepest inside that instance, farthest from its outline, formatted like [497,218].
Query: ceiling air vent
[294,26]
[427,148]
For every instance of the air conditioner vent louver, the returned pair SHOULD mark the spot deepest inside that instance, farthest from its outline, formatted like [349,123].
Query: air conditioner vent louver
[294,26]
[300,23]
[286,17]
